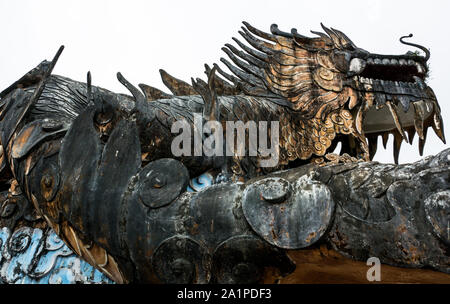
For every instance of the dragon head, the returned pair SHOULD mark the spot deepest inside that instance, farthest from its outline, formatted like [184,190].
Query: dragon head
[316,76]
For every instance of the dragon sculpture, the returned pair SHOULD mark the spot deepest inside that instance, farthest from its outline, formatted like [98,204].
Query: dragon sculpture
[97,167]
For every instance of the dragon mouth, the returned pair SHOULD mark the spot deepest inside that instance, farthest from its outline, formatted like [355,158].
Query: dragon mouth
[393,69]
[394,79]
[393,98]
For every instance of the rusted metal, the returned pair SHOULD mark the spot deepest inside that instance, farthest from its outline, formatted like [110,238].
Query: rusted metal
[98,166]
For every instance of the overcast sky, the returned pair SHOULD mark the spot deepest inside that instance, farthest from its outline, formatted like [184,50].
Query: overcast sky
[140,37]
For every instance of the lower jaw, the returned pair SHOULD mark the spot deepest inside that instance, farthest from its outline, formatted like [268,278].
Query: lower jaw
[391,119]
[381,120]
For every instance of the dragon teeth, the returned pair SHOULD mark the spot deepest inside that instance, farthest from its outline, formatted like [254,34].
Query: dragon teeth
[396,119]
[397,145]
[394,61]
[385,137]
[422,141]
[411,134]
[419,117]
[420,68]
[373,144]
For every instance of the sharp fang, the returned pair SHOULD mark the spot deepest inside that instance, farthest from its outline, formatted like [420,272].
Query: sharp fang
[411,134]
[397,144]
[373,143]
[385,139]
[396,120]
[422,141]
[419,114]
[420,69]
[437,126]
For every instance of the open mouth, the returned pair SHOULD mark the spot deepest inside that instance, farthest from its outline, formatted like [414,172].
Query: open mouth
[396,70]
[400,79]
[394,99]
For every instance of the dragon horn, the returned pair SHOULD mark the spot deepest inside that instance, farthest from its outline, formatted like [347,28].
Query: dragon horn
[138,96]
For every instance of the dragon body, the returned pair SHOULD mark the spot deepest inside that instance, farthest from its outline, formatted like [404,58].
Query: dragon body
[98,166]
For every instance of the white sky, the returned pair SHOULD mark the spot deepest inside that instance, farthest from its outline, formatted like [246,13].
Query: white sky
[140,37]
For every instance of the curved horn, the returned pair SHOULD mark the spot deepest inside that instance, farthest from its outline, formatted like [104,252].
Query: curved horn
[427,52]
[138,96]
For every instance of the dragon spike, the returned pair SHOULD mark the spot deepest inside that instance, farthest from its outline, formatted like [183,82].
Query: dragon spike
[422,141]
[222,86]
[255,61]
[207,69]
[208,93]
[385,137]
[255,53]
[398,139]
[259,33]
[276,31]
[176,86]
[152,93]
[396,120]
[138,96]
[89,87]
[344,40]
[332,35]
[226,75]
[322,35]
[419,114]
[39,89]
[438,126]
[230,51]
[256,43]
[309,43]
[424,49]
[242,75]
[373,144]
[295,33]
[411,133]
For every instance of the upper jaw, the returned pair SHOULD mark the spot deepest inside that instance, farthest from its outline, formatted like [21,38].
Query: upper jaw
[399,79]
[393,98]
[400,92]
